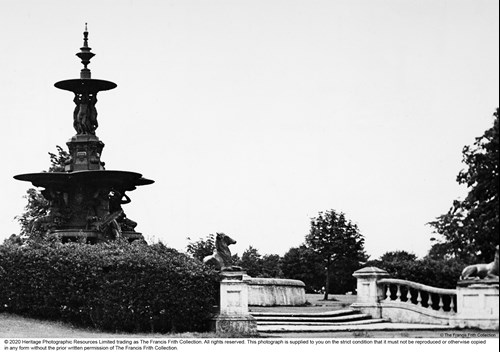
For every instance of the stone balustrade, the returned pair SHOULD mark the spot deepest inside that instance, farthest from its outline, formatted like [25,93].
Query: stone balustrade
[433,298]
[474,304]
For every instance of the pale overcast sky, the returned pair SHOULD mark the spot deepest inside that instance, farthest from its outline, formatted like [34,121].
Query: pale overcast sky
[252,116]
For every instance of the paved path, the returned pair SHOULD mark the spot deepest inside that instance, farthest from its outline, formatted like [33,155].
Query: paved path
[396,331]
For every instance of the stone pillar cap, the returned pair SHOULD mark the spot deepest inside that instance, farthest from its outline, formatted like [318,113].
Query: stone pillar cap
[233,275]
[370,271]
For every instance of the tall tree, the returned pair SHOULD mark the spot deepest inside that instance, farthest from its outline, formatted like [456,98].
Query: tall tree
[335,238]
[470,228]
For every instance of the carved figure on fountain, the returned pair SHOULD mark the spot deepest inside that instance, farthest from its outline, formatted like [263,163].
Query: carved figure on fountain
[116,199]
[85,113]
[57,214]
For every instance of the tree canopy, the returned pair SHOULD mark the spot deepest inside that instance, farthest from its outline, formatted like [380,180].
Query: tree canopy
[470,228]
[251,261]
[398,256]
[302,263]
[337,241]
[442,273]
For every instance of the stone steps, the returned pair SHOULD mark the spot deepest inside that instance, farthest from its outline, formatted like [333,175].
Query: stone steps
[305,314]
[311,321]
[344,318]
[315,323]
[373,325]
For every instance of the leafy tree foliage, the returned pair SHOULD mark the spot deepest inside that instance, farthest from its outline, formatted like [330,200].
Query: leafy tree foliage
[202,247]
[257,265]
[302,263]
[13,240]
[251,261]
[205,247]
[58,161]
[271,266]
[38,206]
[341,280]
[470,228]
[440,251]
[338,242]
[398,256]
[442,273]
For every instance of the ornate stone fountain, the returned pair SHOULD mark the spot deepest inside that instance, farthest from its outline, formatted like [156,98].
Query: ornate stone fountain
[85,199]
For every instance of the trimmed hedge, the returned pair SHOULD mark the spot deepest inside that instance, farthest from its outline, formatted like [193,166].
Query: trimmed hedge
[114,287]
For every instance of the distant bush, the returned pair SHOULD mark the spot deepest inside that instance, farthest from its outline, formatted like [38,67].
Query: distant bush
[114,287]
[431,272]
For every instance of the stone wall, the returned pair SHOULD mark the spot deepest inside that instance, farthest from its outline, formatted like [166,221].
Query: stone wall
[275,292]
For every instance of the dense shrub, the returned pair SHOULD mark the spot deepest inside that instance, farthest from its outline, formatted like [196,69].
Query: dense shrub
[117,287]
[436,273]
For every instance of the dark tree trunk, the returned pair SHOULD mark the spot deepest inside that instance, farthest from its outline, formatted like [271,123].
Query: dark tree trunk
[327,282]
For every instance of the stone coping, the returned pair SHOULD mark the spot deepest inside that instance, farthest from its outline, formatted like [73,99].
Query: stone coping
[274,282]
[477,282]
[422,287]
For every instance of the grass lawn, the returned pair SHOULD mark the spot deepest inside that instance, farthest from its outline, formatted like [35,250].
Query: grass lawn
[16,326]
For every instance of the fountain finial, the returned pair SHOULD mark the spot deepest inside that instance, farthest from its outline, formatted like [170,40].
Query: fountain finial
[85,89]
[85,55]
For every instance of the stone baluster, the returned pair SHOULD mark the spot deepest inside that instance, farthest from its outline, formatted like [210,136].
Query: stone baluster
[452,305]
[398,294]
[441,304]
[388,293]
[431,301]
[419,298]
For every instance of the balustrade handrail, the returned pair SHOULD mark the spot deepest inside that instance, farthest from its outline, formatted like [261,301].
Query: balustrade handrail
[415,285]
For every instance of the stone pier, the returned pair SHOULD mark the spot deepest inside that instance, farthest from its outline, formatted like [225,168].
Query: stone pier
[233,316]
[477,304]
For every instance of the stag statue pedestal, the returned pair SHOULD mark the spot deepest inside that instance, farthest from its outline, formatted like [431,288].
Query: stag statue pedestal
[233,316]
[477,304]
